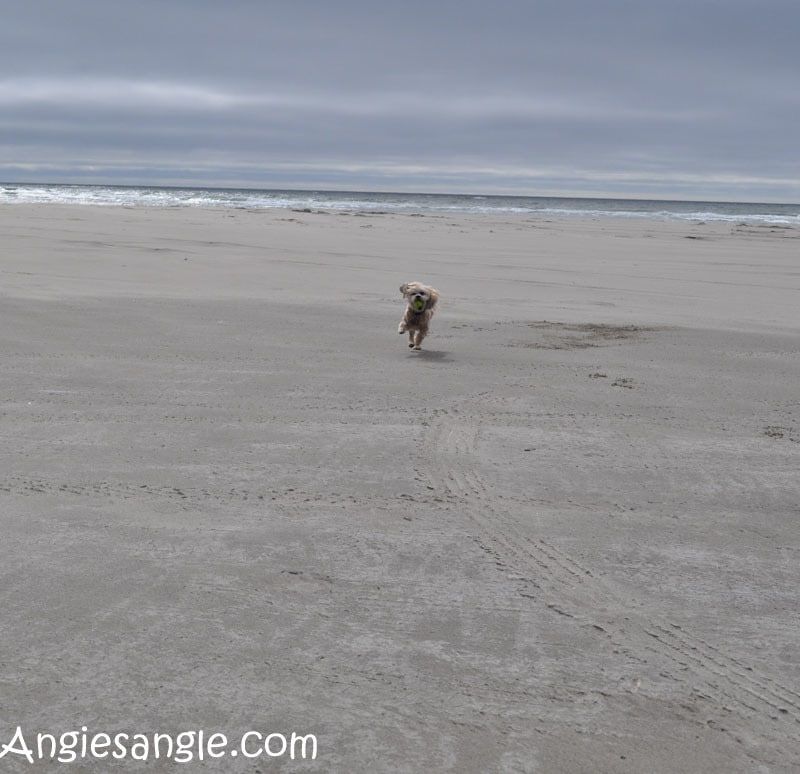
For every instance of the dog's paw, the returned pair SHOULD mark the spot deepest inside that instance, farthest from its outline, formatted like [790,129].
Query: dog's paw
[410,345]
[417,348]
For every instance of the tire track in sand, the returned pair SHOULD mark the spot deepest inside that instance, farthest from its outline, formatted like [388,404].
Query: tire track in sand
[568,587]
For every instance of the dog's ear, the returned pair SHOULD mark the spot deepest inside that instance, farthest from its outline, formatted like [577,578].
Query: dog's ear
[404,288]
[434,299]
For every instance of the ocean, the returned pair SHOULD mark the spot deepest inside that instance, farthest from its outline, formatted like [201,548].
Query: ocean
[409,203]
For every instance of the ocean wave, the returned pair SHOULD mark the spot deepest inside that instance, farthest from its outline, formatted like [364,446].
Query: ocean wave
[432,204]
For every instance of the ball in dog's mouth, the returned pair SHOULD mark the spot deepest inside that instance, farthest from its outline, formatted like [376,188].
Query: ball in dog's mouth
[419,304]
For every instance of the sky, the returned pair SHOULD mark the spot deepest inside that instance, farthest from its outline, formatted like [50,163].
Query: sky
[675,99]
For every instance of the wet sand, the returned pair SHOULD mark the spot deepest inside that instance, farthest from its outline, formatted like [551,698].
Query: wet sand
[564,537]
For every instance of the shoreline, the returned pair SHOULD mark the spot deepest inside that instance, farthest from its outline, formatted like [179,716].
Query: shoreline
[332,201]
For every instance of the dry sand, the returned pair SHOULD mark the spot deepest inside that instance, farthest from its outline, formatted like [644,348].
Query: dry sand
[563,538]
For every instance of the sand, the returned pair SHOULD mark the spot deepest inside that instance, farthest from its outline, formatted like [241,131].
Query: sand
[562,538]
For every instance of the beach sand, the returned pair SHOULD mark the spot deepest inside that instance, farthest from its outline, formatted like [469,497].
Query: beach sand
[564,537]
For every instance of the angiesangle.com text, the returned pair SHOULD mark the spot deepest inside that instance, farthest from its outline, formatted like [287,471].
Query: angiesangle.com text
[181,747]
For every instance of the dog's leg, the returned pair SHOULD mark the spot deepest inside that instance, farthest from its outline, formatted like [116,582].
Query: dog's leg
[420,336]
[402,327]
[411,338]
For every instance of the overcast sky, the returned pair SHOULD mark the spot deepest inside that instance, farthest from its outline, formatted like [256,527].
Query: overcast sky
[655,98]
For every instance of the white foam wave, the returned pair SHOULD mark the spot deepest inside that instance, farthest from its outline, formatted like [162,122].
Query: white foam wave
[116,196]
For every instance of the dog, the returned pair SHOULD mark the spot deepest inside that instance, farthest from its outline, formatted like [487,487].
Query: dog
[422,303]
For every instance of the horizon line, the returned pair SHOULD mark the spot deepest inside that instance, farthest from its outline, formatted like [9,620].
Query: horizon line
[401,192]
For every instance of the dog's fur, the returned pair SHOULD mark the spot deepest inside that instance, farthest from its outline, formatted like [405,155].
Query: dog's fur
[414,322]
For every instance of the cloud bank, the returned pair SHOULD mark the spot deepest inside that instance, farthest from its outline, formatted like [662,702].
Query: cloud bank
[682,99]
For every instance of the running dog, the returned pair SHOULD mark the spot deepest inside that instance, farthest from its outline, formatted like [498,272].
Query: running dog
[422,303]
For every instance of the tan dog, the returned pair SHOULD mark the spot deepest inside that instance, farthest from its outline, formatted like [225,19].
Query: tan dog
[422,301]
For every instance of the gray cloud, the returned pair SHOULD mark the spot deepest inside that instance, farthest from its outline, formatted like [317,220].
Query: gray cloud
[680,98]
